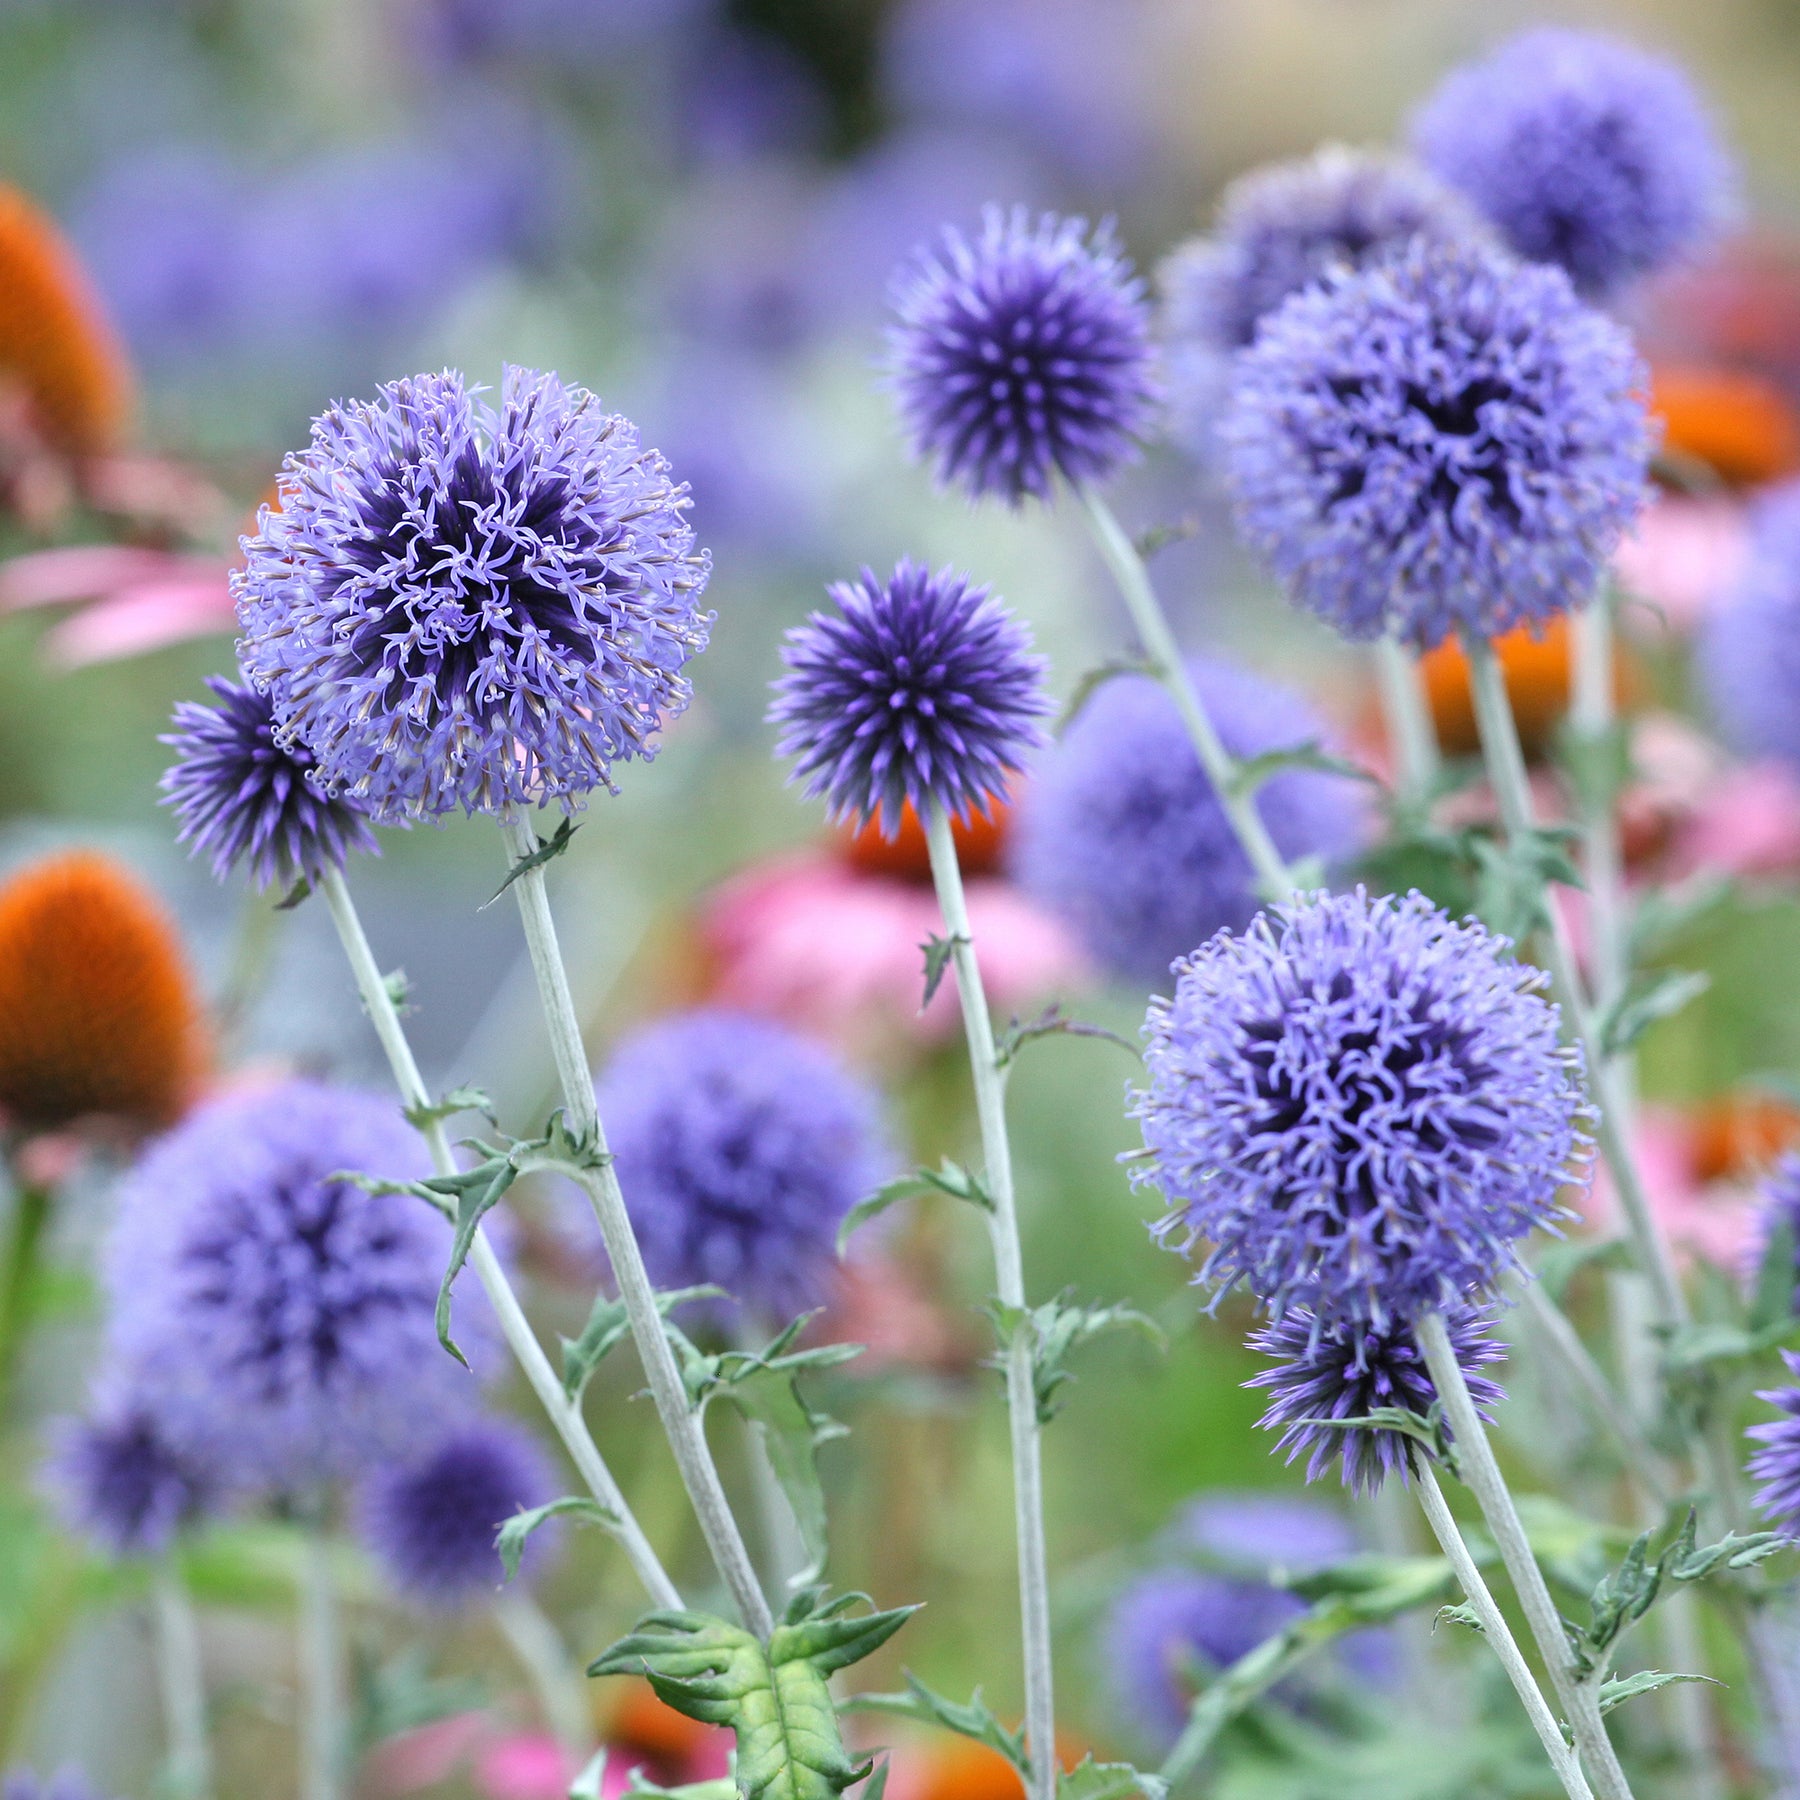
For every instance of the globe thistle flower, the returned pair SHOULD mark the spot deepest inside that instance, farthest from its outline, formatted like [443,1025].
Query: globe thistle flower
[1583,150]
[120,1479]
[452,606]
[1777,1464]
[740,1146]
[1750,650]
[241,796]
[1022,355]
[1347,1372]
[1121,835]
[283,1315]
[99,1015]
[431,1520]
[1779,1204]
[921,690]
[65,1784]
[1447,441]
[1359,1105]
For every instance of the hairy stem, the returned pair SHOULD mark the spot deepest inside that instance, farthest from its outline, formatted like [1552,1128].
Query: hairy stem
[1410,732]
[601,1185]
[1592,713]
[563,1413]
[1152,627]
[323,1739]
[188,1754]
[1498,1633]
[556,1683]
[1009,1266]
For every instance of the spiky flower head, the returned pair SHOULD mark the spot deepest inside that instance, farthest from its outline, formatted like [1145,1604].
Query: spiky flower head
[1776,1466]
[1750,652]
[1022,355]
[282,1313]
[1121,835]
[1583,150]
[1347,1371]
[121,1479]
[922,689]
[243,794]
[431,1520]
[99,1013]
[740,1146]
[1359,1105]
[456,606]
[1446,441]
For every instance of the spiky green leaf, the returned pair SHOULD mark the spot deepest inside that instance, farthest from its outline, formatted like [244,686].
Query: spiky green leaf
[510,1539]
[927,1706]
[1057,1328]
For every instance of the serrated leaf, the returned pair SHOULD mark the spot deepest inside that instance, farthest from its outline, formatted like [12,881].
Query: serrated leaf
[548,849]
[949,1178]
[1093,680]
[607,1324]
[301,890]
[1772,1299]
[458,1100]
[1661,914]
[928,1707]
[1057,1328]
[938,952]
[1650,998]
[774,1697]
[473,1194]
[1689,1348]
[1050,1023]
[1253,772]
[1090,1780]
[1645,1681]
[510,1539]
[1425,1429]
[1512,878]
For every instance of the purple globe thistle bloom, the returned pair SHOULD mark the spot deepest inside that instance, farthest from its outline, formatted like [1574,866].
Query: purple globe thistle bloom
[1120,833]
[1445,441]
[1777,1464]
[1347,1372]
[284,1317]
[241,796]
[1256,1532]
[922,690]
[65,1784]
[1022,355]
[121,1480]
[431,1521]
[1583,150]
[1359,1105]
[1750,652]
[455,606]
[740,1146]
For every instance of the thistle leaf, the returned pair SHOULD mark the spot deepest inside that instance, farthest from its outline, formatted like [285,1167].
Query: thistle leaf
[1057,1328]
[458,1100]
[510,1539]
[938,952]
[1090,1780]
[950,1178]
[1648,999]
[548,849]
[1052,1022]
[1255,771]
[929,1707]
[607,1325]
[1645,1681]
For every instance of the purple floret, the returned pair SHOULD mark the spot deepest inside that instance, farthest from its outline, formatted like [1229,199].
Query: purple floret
[1120,833]
[1776,1466]
[1358,1106]
[1022,355]
[1584,151]
[1750,653]
[122,1479]
[457,607]
[920,689]
[1446,441]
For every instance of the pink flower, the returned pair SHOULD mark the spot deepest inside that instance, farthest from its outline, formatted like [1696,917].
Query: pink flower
[1683,554]
[137,599]
[1748,823]
[532,1766]
[426,1756]
[1708,1219]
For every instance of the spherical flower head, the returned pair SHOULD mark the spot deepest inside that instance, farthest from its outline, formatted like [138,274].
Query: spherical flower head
[431,1520]
[921,690]
[1445,441]
[242,795]
[740,1146]
[1283,228]
[1776,1466]
[1346,1372]
[283,1314]
[1022,355]
[1750,650]
[65,1784]
[1121,835]
[452,606]
[1359,1105]
[121,1479]
[100,1016]
[1584,151]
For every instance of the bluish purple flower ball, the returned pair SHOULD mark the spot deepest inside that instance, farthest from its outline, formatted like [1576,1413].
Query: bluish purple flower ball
[740,1146]
[453,606]
[1022,355]
[241,796]
[283,1316]
[1121,835]
[1347,1372]
[922,689]
[1446,441]
[121,1478]
[431,1520]
[1359,1105]
[1776,1466]
[1584,150]
[1750,650]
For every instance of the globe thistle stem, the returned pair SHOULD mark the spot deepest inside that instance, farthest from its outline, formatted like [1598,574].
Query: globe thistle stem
[1475,1456]
[556,1684]
[1009,1267]
[1593,715]
[1410,732]
[323,1739]
[1152,626]
[188,1755]
[563,1414]
[31,1203]
[1497,1632]
[686,1438]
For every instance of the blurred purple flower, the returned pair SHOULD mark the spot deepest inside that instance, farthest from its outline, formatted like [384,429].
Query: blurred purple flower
[65,1784]
[550,31]
[1750,650]
[1776,1466]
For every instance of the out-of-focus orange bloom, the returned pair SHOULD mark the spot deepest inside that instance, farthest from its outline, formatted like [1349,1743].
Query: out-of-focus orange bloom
[1740,425]
[56,346]
[958,1768]
[1736,1138]
[674,1746]
[1536,668]
[99,1015]
[905,856]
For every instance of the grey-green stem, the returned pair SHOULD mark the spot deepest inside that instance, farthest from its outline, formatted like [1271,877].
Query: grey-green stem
[1411,734]
[1009,1269]
[1481,1474]
[182,1679]
[1498,1633]
[324,1742]
[1148,620]
[563,1413]
[1593,715]
[557,1683]
[687,1440]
